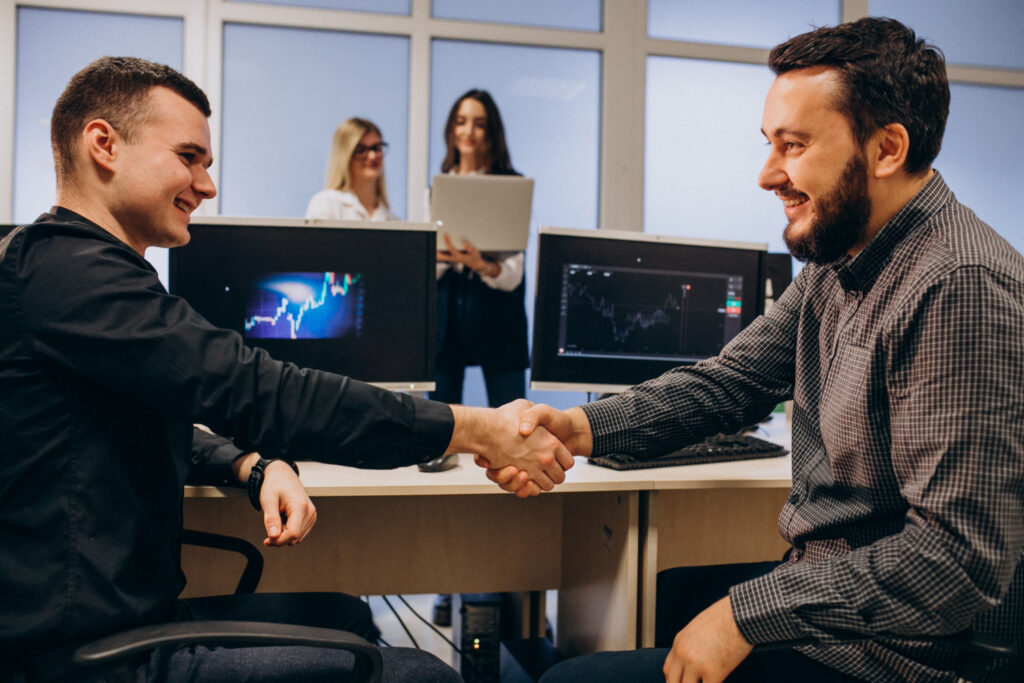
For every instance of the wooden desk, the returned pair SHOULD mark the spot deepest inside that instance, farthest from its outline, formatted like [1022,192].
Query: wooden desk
[712,514]
[600,539]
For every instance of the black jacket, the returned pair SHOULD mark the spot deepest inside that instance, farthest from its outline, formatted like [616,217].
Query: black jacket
[480,325]
[102,374]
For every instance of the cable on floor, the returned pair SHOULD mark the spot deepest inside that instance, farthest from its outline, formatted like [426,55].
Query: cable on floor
[427,622]
[404,627]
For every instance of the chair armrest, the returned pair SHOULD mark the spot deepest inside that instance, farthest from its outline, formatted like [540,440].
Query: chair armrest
[253,558]
[140,640]
[980,644]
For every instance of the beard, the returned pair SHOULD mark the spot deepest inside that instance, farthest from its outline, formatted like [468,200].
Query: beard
[840,221]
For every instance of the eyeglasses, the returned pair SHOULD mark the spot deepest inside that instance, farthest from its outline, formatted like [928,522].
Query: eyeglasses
[361,151]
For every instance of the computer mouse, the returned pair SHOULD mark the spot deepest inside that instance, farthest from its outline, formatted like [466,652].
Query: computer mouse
[439,464]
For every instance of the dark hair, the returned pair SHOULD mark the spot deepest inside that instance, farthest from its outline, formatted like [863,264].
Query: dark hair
[114,89]
[886,75]
[500,163]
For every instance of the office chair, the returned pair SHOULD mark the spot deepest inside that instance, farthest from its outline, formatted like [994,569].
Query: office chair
[976,651]
[115,654]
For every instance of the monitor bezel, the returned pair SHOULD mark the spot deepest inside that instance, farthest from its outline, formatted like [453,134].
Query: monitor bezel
[633,236]
[273,222]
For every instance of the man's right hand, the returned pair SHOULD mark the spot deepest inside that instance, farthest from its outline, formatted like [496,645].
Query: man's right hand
[494,435]
[571,427]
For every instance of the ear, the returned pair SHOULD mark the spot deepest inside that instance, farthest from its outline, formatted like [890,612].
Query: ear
[890,149]
[101,143]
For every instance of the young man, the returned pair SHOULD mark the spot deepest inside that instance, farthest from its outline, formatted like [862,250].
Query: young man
[102,375]
[899,344]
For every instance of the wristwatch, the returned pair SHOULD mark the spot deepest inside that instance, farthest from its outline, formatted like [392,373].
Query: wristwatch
[256,475]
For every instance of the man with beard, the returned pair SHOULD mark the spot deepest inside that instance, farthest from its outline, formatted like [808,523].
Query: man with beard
[899,344]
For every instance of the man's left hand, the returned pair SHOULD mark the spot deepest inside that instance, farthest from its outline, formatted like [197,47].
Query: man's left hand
[708,648]
[288,513]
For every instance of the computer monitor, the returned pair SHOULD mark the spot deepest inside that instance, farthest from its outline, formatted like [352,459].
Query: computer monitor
[778,273]
[354,298]
[614,309]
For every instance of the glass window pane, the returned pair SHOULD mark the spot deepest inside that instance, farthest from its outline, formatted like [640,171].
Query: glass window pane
[52,45]
[751,23]
[982,155]
[977,33]
[382,6]
[550,103]
[584,15]
[285,91]
[703,152]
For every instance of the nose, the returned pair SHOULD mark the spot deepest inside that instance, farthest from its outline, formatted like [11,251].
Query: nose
[772,175]
[202,183]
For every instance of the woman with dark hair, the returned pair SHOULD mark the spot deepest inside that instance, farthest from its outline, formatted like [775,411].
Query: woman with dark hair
[481,319]
[480,147]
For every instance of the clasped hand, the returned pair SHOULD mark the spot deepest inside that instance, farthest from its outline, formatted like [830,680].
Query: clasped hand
[523,464]
[520,461]
[569,428]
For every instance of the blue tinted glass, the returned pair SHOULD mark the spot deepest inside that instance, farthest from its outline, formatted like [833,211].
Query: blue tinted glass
[550,103]
[979,33]
[44,66]
[982,155]
[383,6]
[752,23]
[703,152]
[584,15]
[285,91]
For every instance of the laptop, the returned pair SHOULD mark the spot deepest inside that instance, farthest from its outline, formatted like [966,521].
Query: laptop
[490,211]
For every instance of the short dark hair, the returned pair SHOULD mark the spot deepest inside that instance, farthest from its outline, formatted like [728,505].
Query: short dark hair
[500,162]
[114,89]
[886,75]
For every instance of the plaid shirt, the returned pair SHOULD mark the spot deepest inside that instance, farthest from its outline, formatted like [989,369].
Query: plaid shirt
[906,516]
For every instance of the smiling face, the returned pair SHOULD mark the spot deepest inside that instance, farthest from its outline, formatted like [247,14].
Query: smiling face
[162,176]
[367,159]
[470,131]
[815,166]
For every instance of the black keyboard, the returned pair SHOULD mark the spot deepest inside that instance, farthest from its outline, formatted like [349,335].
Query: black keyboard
[721,448]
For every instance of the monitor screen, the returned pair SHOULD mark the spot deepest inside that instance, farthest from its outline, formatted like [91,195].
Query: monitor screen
[614,309]
[353,298]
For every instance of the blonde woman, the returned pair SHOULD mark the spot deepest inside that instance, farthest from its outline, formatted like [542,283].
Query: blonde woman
[355,188]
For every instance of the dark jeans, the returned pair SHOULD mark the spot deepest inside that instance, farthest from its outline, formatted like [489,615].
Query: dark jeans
[266,664]
[502,385]
[682,594]
[644,666]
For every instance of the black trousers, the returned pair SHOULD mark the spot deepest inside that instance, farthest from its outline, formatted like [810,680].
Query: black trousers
[683,593]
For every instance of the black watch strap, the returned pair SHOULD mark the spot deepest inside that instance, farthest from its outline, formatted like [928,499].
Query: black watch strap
[256,476]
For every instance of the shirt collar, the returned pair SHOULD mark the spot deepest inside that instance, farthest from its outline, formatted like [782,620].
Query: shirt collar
[859,273]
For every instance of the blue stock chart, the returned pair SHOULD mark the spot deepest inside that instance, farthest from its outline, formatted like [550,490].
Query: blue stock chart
[304,305]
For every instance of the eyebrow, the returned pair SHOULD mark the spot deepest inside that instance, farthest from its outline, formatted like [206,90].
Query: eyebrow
[198,149]
[783,132]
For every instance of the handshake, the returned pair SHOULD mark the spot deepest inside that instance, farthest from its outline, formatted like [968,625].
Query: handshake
[525,448]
